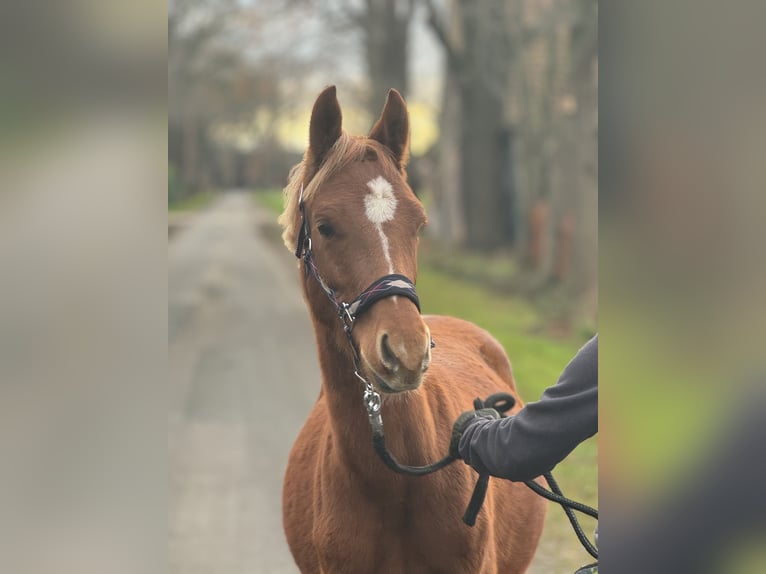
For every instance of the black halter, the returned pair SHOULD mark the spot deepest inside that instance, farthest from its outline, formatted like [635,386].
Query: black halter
[386,286]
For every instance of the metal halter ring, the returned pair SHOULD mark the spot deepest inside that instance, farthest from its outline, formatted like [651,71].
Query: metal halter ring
[372,401]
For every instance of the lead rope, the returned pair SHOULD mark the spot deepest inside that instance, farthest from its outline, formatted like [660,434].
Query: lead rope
[501,402]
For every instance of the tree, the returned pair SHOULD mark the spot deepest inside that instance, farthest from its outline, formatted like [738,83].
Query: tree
[193,27]
[517,150]
[220,96]
[583,153]
[386,25]
[477,45]
[382,29]
[555,97]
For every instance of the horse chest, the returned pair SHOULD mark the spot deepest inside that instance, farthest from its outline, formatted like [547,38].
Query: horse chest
[400,530]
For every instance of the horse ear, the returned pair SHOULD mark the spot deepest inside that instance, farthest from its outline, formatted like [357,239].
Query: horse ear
[325,127]
[393,128]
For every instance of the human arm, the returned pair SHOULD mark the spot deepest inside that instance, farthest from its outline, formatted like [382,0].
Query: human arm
[532,442]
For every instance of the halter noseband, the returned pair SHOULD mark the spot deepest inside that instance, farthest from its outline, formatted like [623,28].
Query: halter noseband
[386,286]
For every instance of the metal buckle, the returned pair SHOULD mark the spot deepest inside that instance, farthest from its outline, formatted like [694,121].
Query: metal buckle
[371,401]
[346,316]
[371,397]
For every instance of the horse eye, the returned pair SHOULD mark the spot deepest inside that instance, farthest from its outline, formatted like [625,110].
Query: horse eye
[325,230]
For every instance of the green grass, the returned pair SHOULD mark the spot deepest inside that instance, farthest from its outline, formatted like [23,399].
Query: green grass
[271,199]
[537,360]
[497,270]
[192,203]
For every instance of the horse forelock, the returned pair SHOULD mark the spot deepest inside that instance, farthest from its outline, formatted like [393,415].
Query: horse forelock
[346,150]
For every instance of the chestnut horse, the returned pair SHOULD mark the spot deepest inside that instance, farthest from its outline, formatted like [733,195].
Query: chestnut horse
[343,510]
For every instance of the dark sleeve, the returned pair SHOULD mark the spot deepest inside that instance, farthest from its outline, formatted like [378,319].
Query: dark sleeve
[543,433]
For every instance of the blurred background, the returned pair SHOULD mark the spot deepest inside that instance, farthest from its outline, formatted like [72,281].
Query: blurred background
[117,417]
[502,96]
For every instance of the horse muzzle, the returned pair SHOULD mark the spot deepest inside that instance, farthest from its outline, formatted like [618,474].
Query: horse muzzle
[399,363]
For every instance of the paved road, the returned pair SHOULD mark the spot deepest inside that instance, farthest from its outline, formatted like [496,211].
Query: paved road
[243,375]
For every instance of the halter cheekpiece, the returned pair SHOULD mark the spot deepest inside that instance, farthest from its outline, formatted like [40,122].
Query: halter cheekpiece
[386,286]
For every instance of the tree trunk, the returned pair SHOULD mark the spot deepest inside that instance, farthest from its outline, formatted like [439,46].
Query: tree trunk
[447,221]
[483,202]
[584,50]
[567,155]
[476,43]
[386,40]
[538,222]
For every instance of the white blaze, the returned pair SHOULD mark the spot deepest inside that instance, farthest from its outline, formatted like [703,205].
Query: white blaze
[379,206]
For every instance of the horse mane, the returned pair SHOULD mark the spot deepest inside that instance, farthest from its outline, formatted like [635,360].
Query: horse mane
[346,150]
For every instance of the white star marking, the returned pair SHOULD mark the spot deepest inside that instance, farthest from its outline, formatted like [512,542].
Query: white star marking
[379,206]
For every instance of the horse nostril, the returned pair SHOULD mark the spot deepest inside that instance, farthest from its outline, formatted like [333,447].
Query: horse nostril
[387,355]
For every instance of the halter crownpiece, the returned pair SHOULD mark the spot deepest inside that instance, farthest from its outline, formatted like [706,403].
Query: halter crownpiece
[303,233]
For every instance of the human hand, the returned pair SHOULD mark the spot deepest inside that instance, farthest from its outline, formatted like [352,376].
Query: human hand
[462,423]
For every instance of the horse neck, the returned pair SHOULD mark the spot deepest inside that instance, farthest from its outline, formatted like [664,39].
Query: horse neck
[407,435]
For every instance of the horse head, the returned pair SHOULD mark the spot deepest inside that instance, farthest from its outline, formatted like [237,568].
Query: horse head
[363,220]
